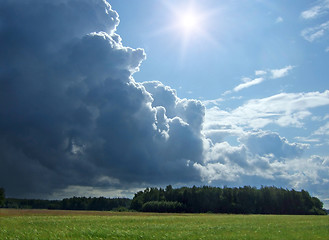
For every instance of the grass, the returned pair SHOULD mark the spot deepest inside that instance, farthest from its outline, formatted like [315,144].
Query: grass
[47,224]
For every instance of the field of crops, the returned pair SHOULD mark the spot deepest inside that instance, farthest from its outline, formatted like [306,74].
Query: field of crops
[47,224]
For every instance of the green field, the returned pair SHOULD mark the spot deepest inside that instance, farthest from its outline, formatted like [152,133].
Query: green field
[47,224]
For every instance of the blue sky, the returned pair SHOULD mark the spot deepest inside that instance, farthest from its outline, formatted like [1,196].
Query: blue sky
[245,37]
[107,98]
[282,47]
[242,38]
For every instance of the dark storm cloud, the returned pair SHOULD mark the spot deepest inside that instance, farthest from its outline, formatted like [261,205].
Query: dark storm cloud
[72,115]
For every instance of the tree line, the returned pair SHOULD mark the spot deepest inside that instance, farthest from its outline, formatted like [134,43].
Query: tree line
[74,203]
[2,196]
[243,200]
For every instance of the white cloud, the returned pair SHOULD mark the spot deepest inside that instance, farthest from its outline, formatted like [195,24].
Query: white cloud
[316,168]
[214,102]
[307,139]
[279,20]
[264,157]
[321,30]
[218,171]
[248,84]
[260,77]
[236,97]
[324,130]
[279,73]
[284,109]
[313,33]
[226,92]
[311,13]
[260,72]
[320,9]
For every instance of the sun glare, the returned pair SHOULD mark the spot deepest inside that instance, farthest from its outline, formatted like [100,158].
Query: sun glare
[188,22]
[189,25]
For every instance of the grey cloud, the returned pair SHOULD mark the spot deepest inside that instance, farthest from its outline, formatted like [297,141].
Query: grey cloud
[263,143]
[72,115]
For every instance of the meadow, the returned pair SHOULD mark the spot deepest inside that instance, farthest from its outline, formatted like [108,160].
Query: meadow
[57,224]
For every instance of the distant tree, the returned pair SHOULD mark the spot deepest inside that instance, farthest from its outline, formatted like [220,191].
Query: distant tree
[2,197]
[99,204]
[75,203]
[163,207]
[169,193]
[138,201]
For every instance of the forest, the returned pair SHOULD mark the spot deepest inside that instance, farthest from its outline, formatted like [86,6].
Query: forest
[242,200]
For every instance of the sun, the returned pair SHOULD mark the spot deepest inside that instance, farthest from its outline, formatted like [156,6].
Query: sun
[191,23]
[188,22]
[188,25]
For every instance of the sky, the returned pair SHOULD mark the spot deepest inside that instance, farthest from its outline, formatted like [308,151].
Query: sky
[105,98]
